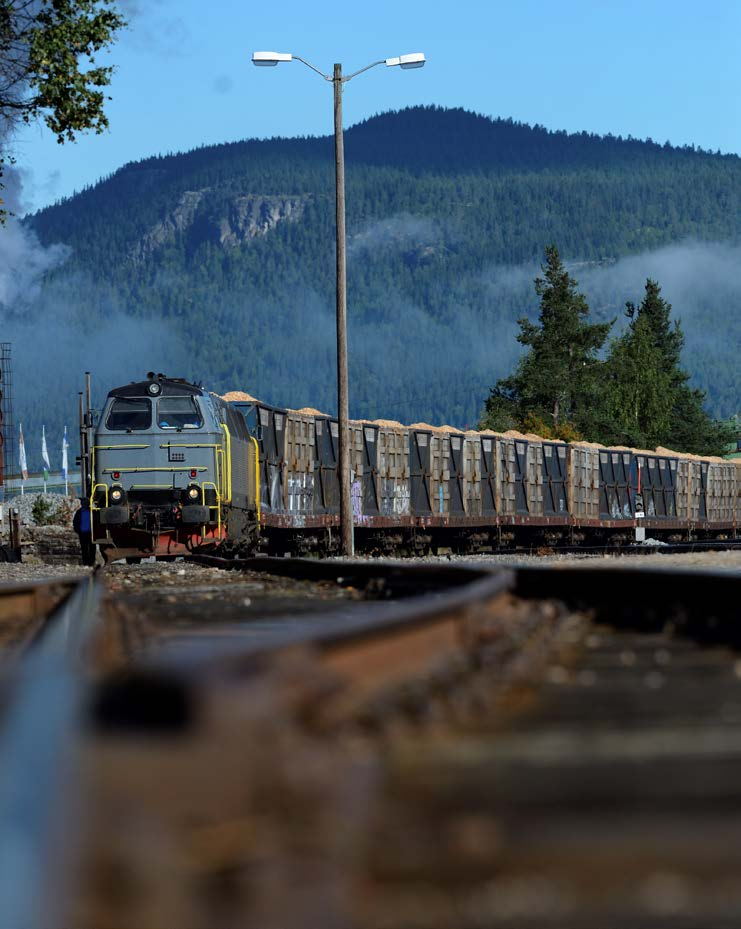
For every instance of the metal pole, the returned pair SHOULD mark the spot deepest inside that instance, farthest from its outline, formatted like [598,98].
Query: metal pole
[343,406]
[88,424]
[83,449]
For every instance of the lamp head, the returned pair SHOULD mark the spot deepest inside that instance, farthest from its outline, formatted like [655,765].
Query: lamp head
[269,59]
[415,60]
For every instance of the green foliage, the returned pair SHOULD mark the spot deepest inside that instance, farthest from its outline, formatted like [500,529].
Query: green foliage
[43,511]
[696,432]
[62,36]
[48,67]
[556,381]
[639,396]
[643,373]
[647,395]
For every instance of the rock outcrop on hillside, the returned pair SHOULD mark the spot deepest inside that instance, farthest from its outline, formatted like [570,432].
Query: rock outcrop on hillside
[243,218]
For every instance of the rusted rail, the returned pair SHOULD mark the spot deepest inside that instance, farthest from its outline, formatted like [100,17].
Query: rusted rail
[25,608]
[416,617]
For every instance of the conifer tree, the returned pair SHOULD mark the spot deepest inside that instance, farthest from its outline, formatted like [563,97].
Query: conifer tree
[555,383]
[648,398]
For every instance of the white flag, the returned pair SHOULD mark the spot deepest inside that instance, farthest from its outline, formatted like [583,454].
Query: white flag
[22,455]
[64,455]
[45,455]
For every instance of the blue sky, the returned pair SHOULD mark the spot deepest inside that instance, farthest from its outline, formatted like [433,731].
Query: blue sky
[668,70]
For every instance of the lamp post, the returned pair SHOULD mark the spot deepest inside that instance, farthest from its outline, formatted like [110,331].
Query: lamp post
[270,60]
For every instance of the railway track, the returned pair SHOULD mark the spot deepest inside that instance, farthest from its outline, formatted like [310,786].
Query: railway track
[405,745]
[46,627]
[605,794]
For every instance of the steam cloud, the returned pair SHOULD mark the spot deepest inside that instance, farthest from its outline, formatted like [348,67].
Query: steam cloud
[23,260]
[52,344]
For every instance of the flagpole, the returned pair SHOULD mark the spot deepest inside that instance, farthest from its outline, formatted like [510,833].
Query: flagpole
[22,458]
[45,456]
[64,463]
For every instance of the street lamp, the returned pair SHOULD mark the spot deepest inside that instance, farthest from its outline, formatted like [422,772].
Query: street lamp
[270,60]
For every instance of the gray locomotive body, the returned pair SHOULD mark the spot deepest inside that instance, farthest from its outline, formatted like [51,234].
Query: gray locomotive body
[171,469]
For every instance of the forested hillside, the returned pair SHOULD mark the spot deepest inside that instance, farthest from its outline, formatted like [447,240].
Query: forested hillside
[218,264]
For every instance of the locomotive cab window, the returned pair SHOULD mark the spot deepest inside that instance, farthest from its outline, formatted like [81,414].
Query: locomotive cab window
[129,413]
[178,413]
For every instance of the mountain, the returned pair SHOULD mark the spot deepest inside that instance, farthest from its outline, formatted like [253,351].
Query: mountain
[218,264]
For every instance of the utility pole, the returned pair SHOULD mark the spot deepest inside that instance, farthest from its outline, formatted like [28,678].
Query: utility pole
[343,401]
[270,60]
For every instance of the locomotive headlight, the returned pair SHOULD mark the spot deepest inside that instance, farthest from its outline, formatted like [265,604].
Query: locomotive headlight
[117,495]
[193,493]
[154,388]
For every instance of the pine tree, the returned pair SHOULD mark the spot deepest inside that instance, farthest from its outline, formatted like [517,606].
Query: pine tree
[648,398]
[640,388]
[556,381]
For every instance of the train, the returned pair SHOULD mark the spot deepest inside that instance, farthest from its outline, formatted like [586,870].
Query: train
[171,468]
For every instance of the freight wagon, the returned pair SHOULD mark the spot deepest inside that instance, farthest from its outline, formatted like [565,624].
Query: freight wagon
[174,468]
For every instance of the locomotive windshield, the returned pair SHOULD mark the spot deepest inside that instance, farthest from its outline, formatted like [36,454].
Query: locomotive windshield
[178,413]
[128,413]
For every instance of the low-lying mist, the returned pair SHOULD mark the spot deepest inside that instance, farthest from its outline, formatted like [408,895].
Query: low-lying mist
[408,360]
[53,343]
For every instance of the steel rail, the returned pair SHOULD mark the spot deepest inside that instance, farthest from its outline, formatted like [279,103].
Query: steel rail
[429,625]
[441,590]
[705,603]
[37,764]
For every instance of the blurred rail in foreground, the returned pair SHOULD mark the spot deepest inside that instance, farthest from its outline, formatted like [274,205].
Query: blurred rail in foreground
[443,747]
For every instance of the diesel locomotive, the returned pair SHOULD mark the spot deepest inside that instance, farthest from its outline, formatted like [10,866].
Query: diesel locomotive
[171,469]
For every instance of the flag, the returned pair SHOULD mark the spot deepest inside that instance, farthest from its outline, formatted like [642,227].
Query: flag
[22,455]
[45,455]
[65,446]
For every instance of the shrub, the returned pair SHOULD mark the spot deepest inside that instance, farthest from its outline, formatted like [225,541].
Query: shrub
[43,511]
